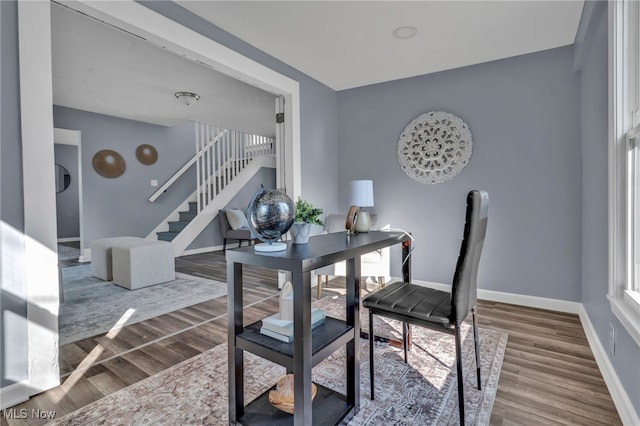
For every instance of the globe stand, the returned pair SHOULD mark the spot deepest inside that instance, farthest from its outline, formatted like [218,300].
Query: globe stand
[270,247]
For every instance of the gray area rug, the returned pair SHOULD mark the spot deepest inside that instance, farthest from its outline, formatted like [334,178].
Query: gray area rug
[92,306]
[66,252]
[423,392]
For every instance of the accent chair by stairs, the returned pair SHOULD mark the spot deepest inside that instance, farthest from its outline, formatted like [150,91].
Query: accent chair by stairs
[228,233]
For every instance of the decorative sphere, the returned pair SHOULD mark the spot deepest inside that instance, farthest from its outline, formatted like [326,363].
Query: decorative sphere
[271,214]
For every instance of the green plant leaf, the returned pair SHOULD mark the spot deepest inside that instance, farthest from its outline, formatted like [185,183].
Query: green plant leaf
[307,213]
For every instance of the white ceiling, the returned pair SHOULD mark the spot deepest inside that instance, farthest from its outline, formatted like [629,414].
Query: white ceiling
[101,69]
[347,44]
[343,44]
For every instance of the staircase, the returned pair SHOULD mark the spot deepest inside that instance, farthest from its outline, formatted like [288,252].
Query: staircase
[225,160]
[175,226]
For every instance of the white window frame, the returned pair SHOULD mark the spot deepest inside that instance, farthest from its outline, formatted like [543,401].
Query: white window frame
[624,130]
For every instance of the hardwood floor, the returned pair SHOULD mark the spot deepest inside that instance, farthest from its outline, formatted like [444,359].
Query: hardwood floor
[549,375]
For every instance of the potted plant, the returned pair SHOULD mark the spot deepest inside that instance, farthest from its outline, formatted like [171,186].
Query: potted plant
[306,214]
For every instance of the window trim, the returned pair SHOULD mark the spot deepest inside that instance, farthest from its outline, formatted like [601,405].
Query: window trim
[621,301]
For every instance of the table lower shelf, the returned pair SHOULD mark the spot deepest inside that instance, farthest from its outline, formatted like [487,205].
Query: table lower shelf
[326,339]
[328,408]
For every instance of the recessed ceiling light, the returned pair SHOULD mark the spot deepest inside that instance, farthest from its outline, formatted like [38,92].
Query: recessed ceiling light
[405,32]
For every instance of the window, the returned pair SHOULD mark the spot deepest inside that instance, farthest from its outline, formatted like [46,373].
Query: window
[624,161]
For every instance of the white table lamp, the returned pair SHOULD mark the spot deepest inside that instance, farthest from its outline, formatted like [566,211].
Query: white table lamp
[362,196]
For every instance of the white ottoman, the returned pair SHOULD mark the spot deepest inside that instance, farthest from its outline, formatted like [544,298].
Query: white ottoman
[101,255]
[138,264]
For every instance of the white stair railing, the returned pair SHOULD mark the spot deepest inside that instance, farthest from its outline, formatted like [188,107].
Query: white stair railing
[183,169]
[221,154]
[218,163]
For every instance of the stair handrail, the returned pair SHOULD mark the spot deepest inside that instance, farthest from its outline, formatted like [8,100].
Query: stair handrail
[186,167]
[224,160]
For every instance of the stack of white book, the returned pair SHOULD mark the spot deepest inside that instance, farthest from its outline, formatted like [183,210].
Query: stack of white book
[282,330]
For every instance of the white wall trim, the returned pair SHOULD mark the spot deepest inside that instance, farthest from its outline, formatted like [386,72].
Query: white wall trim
[620,397]
[68,240]
[530,301]
[205,250]
[14,394]
[37,140]
[171,36]
[41,252]
[66,137]
[74,138]
[85,255]
[512,298]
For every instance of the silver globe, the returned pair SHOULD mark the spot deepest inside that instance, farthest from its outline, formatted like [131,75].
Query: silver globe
[271,214]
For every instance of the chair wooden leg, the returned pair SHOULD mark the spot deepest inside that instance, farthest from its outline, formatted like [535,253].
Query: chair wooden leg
[405,326]
[319,280]
[381,281]
[477,347]
[459,371]
[371,343]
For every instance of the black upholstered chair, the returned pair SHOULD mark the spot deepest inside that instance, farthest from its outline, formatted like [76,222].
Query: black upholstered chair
[228,233]
[435,309]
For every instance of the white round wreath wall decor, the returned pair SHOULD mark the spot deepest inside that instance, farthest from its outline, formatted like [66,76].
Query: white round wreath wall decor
[434,147]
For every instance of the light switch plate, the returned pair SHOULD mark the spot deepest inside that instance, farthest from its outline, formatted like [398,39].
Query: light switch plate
[154,182]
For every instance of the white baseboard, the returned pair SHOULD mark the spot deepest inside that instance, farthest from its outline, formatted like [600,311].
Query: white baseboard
[14,394]
[86,256]
[621,399]
[530,301]
[68,240]
[87,252]
[204,250]
[512,298]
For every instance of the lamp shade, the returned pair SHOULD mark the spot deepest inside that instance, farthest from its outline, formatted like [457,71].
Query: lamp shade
[362,193]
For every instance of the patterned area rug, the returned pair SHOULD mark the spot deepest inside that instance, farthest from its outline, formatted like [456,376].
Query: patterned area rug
[92,306]
[423,392]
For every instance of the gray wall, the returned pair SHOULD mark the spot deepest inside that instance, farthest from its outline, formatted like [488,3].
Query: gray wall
[120,206]
[67,201]
[524,115]
[13,342]
[593,108]
[524,119]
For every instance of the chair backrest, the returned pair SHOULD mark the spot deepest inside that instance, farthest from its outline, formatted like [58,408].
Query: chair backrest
[224,222]
[464,289]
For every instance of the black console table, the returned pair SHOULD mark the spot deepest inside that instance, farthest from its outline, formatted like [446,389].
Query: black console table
[308,348]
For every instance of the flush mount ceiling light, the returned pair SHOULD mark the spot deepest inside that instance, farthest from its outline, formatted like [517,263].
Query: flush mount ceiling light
[405,32]
[187,98]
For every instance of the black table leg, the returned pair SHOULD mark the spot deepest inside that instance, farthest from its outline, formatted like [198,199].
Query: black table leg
[302,349]
[353,319]
[236,362]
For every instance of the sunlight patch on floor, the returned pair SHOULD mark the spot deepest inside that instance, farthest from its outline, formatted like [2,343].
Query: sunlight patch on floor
[113,332]
[93,356]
